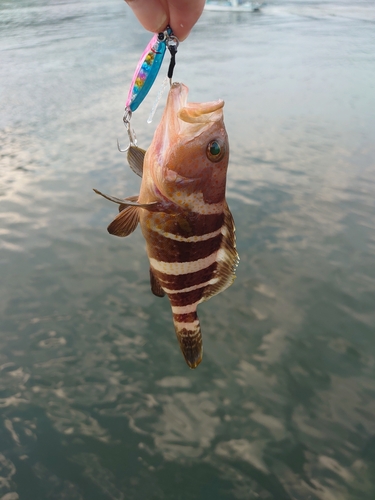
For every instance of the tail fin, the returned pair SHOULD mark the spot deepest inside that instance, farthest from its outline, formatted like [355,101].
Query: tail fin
[188,332]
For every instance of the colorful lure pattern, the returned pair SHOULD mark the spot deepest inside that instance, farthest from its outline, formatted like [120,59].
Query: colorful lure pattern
[146,71]
[144,76]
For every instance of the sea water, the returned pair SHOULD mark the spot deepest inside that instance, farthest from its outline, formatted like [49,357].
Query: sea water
[96,401]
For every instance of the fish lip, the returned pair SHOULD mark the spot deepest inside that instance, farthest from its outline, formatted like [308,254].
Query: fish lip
[177,99]
[178,94]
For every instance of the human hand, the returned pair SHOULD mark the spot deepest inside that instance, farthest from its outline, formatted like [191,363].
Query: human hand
[180,15]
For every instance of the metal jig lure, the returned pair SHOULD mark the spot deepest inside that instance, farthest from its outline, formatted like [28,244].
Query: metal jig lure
[144,76]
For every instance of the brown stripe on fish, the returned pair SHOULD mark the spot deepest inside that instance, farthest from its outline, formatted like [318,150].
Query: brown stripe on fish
[186,298]
[189,336]
[179,282]
[185,318]
[209,275]
[212,281]
[168,250]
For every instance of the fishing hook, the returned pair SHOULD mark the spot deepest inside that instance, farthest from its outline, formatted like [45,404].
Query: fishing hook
[131,134]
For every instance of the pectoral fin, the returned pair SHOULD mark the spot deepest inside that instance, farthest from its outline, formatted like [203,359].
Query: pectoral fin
[125,222]
[136,157]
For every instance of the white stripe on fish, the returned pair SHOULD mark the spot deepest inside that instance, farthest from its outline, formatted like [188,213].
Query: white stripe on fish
[178,268]
[192,288]
[186,309]
[189,239]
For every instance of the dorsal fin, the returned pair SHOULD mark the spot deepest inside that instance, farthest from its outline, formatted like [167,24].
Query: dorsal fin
[227,258]
[125,222]
[136,157]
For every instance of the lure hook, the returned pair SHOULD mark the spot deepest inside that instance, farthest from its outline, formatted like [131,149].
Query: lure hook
[131,134]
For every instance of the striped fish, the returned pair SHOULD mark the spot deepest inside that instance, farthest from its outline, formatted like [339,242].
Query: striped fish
[181,208]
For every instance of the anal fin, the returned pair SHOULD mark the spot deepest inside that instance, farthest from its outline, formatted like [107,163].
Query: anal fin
[189,336]
[155,285]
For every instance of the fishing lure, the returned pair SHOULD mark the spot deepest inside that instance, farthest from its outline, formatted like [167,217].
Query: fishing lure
[145,74]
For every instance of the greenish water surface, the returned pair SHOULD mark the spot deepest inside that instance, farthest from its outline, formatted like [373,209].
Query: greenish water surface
[96,402]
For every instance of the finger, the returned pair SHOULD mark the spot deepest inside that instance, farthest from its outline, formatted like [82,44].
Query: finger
[183,14]
[152,14]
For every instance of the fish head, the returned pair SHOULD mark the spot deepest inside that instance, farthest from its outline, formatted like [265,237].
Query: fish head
[189,153]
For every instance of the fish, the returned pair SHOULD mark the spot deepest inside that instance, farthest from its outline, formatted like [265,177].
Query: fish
[182,211]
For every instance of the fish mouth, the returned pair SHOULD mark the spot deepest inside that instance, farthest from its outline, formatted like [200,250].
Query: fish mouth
[192,112]
[183,122]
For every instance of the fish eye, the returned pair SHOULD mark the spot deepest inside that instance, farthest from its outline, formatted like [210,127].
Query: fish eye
[215,151]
